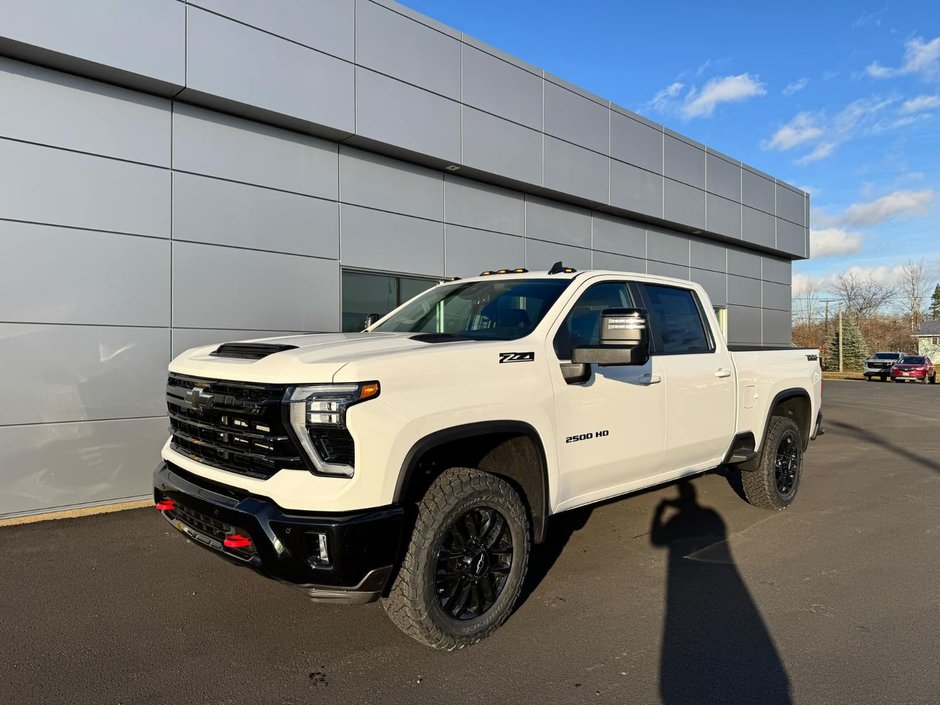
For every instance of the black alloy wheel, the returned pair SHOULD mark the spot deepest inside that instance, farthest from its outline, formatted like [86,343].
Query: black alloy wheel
[473,563]
[786,463]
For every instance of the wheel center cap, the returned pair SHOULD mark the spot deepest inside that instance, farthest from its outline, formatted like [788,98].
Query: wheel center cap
[479,564]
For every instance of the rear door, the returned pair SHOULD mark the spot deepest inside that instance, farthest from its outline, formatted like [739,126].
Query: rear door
[698,376]
[611,426]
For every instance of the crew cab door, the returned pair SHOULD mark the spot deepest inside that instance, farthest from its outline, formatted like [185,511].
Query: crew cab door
[698,374]
[611,426]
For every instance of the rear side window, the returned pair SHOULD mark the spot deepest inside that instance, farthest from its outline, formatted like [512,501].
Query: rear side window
[676,321]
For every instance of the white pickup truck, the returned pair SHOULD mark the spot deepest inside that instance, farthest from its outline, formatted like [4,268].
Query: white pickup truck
[419,460]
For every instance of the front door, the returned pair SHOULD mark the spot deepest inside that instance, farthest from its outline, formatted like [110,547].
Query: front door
[611,427]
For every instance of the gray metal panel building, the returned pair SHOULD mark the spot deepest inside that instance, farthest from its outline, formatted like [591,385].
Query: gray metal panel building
[177,173]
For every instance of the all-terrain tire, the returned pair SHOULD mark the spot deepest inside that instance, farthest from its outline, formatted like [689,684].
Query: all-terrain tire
[414,602]
[773,484]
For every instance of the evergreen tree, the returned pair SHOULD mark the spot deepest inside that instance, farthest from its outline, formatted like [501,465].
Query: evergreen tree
[854,349]
[935,304]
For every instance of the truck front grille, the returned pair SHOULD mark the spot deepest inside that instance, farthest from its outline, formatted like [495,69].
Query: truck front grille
[232,426]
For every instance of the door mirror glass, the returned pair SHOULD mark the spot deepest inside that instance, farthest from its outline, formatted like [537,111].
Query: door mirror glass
[623,340]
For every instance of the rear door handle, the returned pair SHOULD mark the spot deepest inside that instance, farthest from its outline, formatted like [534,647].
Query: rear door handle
[722,373]
[650,379]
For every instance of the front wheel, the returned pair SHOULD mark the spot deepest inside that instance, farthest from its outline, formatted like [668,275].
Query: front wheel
[463,570]
[774,483]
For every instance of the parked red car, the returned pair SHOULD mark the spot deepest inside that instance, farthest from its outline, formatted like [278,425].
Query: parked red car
[914,367]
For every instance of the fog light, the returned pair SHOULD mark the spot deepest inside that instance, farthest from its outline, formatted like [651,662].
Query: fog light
[319,552]
[166,505]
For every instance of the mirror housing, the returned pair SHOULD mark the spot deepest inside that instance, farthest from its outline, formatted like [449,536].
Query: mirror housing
[624,339]
[370,319]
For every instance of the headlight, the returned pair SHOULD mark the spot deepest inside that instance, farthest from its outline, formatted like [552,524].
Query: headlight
[318,416]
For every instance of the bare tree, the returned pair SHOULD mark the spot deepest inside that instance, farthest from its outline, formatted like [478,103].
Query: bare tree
[913,284]
[806,301]
[862,295]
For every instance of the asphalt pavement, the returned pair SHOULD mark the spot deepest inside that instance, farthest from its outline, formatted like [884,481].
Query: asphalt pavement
[660,597]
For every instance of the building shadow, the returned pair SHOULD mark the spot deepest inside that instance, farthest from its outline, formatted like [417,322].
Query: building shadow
[715,645]
[865,435]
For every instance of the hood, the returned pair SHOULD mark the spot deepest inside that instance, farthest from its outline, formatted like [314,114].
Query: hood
[303,358]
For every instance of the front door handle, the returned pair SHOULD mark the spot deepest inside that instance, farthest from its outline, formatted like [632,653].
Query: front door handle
[722,373]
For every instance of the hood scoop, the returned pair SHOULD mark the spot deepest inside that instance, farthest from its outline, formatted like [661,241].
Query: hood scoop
[249,351]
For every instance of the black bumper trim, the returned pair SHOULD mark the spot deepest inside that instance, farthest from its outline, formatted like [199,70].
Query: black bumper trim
[363,545]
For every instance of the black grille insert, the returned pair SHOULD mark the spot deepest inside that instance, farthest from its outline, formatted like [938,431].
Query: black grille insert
[234,426]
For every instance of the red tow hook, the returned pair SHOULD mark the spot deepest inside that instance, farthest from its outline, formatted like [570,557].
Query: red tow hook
[165,505]
[236,541]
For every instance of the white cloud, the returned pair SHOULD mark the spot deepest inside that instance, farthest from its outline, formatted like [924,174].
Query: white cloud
[726,89]
[921,102]
[920,57]
[824,134]
[702,102]
[893,205]
[833,241]
[802,128]
[796,86]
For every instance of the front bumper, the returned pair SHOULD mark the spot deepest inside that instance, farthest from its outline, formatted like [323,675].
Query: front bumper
[876,372]
[363,545]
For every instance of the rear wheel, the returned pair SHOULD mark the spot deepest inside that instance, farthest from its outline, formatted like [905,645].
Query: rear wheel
[466,561]
[774,483]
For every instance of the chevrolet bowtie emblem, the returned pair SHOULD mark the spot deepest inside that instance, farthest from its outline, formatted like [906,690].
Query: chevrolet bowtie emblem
[198,399]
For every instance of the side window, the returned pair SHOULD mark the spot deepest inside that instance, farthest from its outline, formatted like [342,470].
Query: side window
[676,321]
[583,323]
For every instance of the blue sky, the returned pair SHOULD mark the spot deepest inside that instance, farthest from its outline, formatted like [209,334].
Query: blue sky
[841,98]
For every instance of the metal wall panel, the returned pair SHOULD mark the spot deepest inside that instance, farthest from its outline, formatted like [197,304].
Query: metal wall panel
[707,255]
[542,255]
[636,189]
[556,222]
[574,118]
[620,236]
[714,283]
[229,213]
[789,204]
[791,238]
[236,62]
[636,142]
[211,143]
[744,325]
[744,291]
[664,246]
[325,25]
[60,110]
[367,179]
[723,177]
[411,118]
[572,169]
[386,241]
[665,269]
[758,227]
[722,216]
[145,37]
[53,466]
[776,270]
[469,251]
[498,87]
[777,327]
[501,147]
[185,338]
[53,186]
[743,263]
[776,296]
[684,162]
[757,191]
[79,276]
[620,263]
[482,206]
[209,290]
[52,374]
[684,204]
[410,51]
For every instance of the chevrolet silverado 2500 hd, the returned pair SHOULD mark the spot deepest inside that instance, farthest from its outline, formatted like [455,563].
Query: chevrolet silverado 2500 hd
[418,460]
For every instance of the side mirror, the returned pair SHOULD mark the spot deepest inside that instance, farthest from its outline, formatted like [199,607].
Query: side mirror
[624,339]
[370,319]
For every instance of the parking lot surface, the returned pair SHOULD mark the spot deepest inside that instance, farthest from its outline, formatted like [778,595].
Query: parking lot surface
[705,600]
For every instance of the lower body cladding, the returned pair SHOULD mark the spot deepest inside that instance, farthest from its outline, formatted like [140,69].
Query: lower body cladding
[332,557]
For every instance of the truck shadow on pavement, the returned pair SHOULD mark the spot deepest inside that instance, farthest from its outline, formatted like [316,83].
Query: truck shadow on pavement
[715,645]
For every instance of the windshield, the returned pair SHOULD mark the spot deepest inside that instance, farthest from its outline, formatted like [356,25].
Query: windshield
[886,356]
[912,361]
[484,310]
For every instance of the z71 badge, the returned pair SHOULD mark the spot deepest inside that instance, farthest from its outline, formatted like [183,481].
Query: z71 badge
[516,357]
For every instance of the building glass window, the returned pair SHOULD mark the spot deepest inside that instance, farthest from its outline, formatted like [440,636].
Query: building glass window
[365,293]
